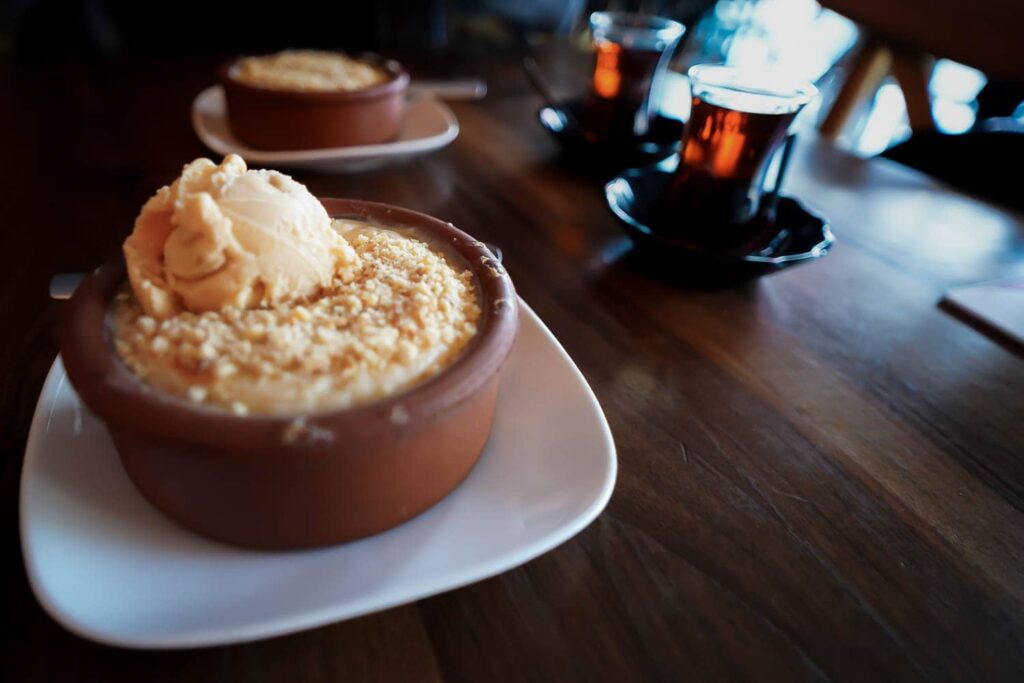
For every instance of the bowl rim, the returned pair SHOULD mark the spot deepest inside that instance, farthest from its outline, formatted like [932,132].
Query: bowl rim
[398,80]
[110,389]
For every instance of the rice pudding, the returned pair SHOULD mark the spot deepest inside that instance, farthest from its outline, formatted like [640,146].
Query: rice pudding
[245,295]
[307,71]
[404,313]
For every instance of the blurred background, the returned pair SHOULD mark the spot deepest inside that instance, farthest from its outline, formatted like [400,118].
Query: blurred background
[904,96]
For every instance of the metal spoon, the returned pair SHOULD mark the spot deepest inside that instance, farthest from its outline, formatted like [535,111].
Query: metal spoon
[63,285]
[456,89]
[540,83]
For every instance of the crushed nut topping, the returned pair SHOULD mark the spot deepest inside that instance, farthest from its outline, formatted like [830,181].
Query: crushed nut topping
[404,315]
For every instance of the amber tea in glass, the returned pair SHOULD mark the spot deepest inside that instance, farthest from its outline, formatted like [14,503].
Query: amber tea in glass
[737,122]
[630,53]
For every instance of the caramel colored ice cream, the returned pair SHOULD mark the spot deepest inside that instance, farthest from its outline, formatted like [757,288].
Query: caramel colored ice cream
[307,71]
[224,236]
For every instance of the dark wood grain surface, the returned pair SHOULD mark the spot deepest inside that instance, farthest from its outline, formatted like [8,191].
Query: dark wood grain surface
[821,473]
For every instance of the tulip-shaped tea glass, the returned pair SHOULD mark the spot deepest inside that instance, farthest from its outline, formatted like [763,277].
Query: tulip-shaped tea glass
[738,120]
[631,52]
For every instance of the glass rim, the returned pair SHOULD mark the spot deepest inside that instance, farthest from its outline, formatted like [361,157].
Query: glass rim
[660,27]
[762,82]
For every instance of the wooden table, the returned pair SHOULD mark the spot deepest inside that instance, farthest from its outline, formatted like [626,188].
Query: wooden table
[821,473]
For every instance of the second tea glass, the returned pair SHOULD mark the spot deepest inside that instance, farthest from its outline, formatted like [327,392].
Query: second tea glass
[631,53]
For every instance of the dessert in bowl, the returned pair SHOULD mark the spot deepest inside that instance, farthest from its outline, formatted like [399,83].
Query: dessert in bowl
[278,379]
[306,99]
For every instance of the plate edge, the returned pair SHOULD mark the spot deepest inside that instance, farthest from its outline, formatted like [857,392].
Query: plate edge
[319,157]
[593,510]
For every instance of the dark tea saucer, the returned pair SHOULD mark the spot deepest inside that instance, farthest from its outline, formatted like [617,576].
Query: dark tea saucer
[795,235]
[562,122]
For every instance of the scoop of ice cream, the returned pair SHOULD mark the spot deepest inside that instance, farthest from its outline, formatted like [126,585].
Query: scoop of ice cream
[223,236]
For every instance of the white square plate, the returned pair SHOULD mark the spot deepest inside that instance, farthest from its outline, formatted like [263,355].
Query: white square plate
[109,567]
[427,124]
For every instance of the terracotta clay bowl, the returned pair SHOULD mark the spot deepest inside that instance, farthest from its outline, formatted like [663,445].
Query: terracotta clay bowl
[293,482]
[273,119]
